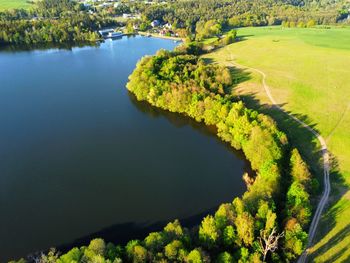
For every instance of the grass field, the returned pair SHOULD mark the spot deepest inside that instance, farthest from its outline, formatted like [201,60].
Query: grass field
[308,71]
[12,4]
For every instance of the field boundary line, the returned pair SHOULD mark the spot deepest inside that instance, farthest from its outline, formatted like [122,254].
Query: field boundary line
[325,155]
[339,122]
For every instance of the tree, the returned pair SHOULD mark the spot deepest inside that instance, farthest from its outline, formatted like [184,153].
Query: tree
[224,257]
[129,248]
[51,257]
[129,29]
[298,203]
[113,252]
[245,228]
[229,37]
[311,23]
[269,242]
[301,24]
[224,215]
[194,256]
[139,254]
[173,230]
[208,232]
[154,241]
[295,239]
[73,255]
[229,236]
[97,246]
[172,249]
[299,169]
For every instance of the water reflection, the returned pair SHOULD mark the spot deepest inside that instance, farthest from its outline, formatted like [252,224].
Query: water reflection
[179,120]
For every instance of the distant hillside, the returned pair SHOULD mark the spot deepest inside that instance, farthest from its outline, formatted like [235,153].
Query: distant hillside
[251,12]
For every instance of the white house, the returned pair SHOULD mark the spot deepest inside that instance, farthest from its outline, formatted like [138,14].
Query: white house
[155,23]
[168,26]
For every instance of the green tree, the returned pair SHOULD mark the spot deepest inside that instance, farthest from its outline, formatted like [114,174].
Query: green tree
[173,230]
[154,241]
[139,254]
[299,169]
[245,228]
[171,250]
[195,256]
[73,255]
[229,236]
[98,246]
[208,232]
[311,23]
[224,257]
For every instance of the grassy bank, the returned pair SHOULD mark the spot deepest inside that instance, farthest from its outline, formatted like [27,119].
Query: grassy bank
[13,4]
[308,71]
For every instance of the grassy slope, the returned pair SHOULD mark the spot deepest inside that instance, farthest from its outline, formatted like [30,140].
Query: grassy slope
[308,71]
[12,4]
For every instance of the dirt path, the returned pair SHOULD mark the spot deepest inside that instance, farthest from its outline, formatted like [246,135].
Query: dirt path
[325,155]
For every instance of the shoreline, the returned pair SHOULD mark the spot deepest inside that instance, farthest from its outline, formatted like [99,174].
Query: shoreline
[159,36]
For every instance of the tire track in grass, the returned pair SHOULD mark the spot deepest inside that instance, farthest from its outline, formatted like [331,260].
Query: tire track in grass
[325,155]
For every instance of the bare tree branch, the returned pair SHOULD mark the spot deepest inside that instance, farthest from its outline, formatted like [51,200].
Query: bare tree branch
[270,242]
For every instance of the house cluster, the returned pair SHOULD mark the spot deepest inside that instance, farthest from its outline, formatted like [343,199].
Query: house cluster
[163,29]
[132,16]
[100,3]
[157,23]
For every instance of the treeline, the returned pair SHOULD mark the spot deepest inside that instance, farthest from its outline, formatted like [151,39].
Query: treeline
[301,24]
[187,14]
[79,28]
[68,21]
[52,21]
[298,207]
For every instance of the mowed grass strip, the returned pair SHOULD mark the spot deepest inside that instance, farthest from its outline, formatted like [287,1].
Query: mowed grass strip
[14,4]
[308,71]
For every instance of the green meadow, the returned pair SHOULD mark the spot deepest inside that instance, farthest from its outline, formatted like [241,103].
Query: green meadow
[13,4]
[308,71]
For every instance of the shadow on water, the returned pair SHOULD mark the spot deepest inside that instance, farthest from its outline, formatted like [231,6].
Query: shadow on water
[47,46]
[120,234]
[61,46]
[180,120]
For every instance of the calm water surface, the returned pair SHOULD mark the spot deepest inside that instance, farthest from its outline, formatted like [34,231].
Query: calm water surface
[79,157]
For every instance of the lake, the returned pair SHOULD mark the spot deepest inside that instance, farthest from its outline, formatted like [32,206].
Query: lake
[81,158]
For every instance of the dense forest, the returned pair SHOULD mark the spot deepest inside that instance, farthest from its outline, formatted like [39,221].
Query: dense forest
[58,21]
[268,223]
[247,13]
[51,22]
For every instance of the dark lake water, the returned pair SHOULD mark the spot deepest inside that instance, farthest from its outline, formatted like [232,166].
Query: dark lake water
[80,158]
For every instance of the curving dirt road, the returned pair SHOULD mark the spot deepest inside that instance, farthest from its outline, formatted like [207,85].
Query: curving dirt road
[325,155]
